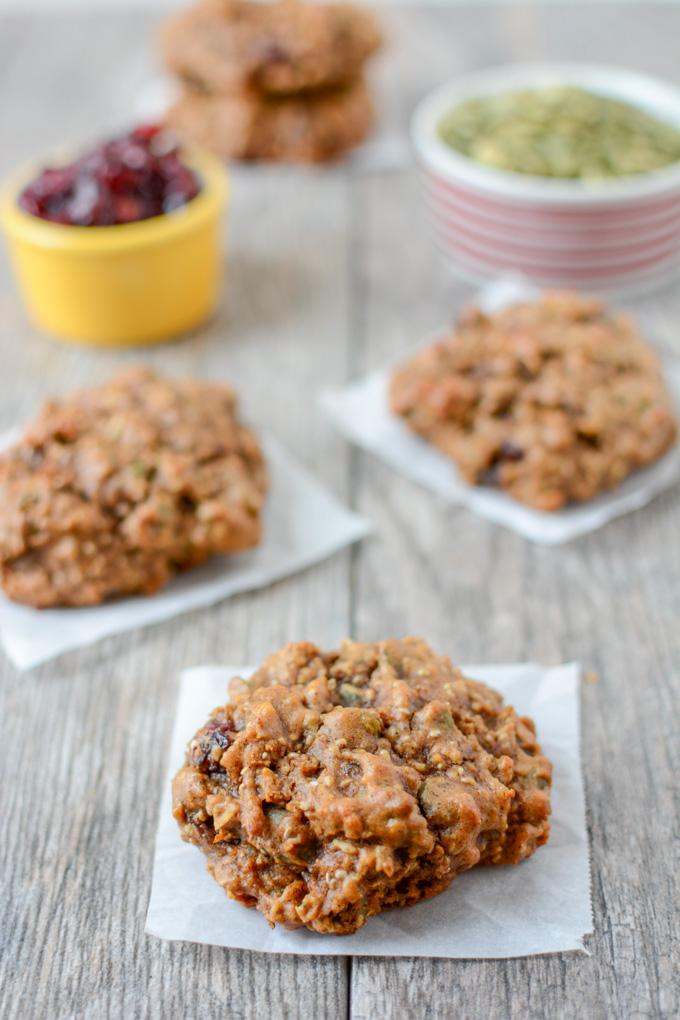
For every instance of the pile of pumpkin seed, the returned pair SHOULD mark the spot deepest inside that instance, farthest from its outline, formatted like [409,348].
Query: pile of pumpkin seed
[560,131]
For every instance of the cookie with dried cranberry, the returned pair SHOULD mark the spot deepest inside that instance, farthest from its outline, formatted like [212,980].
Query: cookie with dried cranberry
[280,48]
[555,400]
[114,489]
[334,785]
[295,129]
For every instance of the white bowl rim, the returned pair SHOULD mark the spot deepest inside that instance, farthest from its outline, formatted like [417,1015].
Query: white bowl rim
[654,95]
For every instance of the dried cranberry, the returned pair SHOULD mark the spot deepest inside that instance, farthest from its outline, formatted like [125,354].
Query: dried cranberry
[511,451]
[127,179]
[204,752]
[145,132]
[83,205]
[136,157]
[128,209]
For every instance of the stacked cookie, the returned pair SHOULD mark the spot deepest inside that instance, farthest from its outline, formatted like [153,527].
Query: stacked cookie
[271,81]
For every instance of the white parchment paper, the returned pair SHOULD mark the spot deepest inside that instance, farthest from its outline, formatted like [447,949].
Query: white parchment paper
[303,523]
[539,906]
[361,412]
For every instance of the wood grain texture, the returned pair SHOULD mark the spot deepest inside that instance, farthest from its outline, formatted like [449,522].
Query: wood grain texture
[332,273]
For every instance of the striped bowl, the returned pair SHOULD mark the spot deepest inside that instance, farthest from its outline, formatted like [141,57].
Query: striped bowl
[611,235]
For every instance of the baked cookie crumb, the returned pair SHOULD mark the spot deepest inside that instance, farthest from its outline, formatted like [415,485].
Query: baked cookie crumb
[114,489]
[554,401]
[334,785]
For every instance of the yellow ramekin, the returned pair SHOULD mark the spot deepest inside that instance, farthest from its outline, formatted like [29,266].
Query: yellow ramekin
[135,283]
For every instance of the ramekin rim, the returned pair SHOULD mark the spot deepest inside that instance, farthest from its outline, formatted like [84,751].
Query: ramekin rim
[454,166]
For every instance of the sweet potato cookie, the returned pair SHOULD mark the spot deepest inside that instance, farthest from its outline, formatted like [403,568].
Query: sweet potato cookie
[279,48]
[298,129]
[337,784]
[114,489]
[554,401]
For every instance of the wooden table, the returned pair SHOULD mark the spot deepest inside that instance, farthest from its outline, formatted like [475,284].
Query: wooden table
[331,274]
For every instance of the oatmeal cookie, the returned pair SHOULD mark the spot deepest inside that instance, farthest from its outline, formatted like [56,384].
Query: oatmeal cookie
[279,48]
[336,784]
[555,401]
[296,129]
[113,489]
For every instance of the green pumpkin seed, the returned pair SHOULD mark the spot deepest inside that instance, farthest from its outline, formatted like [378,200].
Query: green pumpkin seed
[561,131]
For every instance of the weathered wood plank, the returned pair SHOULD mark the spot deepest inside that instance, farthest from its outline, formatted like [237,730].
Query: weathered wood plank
[84,739]
[330,274]
[611,600]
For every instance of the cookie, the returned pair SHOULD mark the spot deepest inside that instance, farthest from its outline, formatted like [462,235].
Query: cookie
[279,48]
[114,489]
[555,401]
[334,785]
[297,129]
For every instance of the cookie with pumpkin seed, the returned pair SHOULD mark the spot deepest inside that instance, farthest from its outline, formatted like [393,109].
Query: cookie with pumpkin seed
[554,401]
[334,785]
[113,489]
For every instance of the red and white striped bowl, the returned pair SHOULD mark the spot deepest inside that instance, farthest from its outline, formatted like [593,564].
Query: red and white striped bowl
[608,235]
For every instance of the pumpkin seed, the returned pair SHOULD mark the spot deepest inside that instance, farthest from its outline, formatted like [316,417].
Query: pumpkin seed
[560,131]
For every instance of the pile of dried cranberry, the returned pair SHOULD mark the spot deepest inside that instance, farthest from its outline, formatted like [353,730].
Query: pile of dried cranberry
[130,178]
